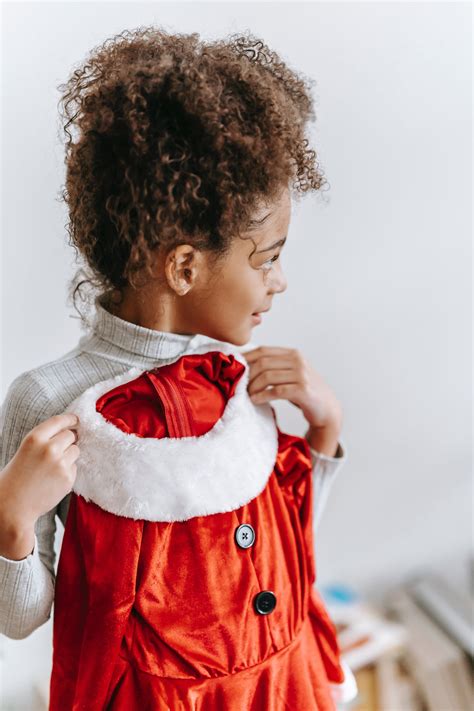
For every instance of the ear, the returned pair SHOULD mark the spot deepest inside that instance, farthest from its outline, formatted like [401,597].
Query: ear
[182,266]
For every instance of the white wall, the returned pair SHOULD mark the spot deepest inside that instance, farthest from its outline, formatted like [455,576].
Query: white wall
[379,277]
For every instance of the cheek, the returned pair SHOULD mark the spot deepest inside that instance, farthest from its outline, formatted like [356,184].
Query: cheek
[255,284]
[236,293]
[241,288]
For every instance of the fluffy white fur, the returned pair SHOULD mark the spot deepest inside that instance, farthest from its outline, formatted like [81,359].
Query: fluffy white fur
[174,479]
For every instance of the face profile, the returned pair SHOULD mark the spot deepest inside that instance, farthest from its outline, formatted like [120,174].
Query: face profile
[190,294]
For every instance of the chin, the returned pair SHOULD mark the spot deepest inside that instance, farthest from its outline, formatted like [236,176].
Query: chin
[235,339]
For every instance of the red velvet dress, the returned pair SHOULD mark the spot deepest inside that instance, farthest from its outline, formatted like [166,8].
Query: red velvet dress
[186,573]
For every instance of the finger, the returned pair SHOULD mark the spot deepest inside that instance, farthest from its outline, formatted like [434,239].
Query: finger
[273,377]
[272,364]
[284,391]
[71,454]
[65,438]
[56,423]
[256,353]
[246,353]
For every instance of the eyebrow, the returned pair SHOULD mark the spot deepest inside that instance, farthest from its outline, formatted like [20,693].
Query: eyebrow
[253,223]
[275,244]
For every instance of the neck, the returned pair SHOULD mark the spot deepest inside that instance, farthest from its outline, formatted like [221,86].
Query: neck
[141,308]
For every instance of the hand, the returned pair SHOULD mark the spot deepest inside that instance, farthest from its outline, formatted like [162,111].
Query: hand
[41,472]
[291,377]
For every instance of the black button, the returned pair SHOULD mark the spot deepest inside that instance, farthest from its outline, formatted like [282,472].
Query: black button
[265,602]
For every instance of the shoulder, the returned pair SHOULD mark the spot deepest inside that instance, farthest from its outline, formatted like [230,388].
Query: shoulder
[23,407]
[32,389]
[25,392]
[48,388]
[37,394]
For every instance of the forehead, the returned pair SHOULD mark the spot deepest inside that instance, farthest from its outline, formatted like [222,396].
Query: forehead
[269,211]
[269,223]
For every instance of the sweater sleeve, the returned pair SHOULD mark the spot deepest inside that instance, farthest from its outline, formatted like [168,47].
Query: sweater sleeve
[325,471]
[27,587]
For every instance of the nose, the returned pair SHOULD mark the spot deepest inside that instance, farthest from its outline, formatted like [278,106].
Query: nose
[279,282]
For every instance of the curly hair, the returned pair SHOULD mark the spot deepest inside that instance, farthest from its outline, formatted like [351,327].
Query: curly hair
[177,140]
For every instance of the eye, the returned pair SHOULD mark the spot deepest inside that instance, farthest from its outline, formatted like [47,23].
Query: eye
[269,262]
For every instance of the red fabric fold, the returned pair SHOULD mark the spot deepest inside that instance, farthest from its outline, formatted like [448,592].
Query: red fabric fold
[206,382]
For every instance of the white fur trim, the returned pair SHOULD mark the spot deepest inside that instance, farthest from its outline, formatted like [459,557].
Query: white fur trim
[347,690]
[174,479]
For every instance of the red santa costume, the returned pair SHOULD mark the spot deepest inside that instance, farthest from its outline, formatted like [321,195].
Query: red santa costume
[186,573]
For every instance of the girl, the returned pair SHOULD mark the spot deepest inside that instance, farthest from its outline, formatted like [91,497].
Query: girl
[186,573]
